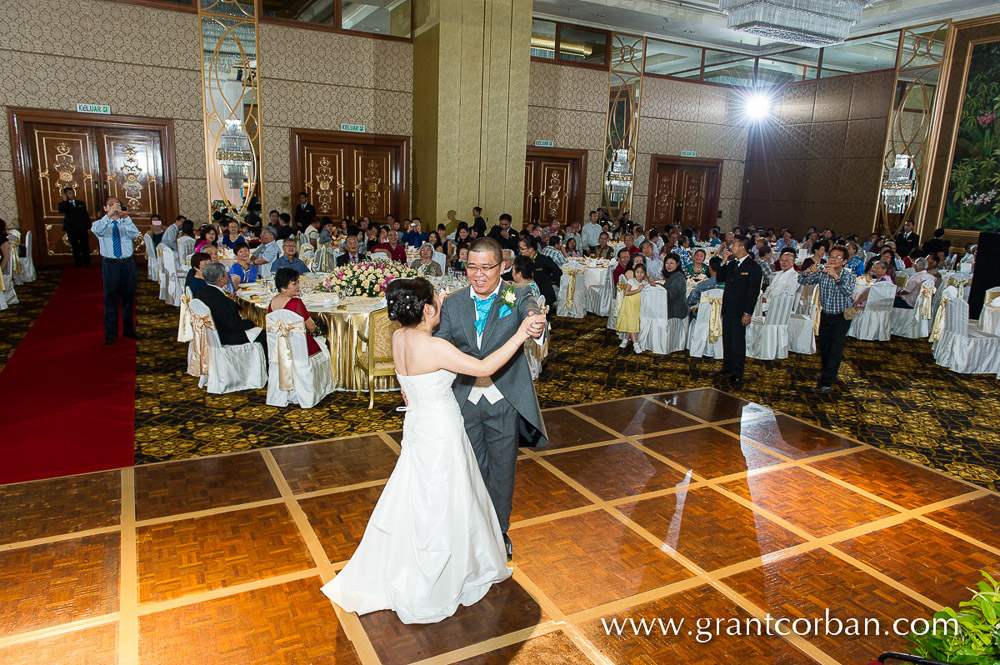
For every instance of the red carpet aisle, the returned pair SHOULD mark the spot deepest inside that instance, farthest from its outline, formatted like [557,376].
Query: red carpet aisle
[68,400]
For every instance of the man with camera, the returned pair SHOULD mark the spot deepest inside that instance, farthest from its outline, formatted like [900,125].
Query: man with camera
[115,233]
[76,223]
[836,289]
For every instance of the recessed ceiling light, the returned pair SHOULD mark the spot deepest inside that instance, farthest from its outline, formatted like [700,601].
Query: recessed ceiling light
[376,29]
[600,15]
[689,32]
[881,25]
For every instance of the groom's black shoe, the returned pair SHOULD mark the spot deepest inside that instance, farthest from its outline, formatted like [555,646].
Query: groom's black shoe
[509,545]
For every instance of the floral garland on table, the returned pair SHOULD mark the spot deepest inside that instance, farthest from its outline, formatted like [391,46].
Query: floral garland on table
[368,278]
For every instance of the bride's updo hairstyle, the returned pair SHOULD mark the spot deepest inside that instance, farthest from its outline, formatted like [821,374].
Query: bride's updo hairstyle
[406,299]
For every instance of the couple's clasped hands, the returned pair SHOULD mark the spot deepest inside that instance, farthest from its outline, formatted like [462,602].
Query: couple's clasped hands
[533,325]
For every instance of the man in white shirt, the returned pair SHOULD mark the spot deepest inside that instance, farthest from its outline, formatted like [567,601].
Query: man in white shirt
[312,231]
[591,232]
[906,298]
[269,248]
[654,266]
[785,280]
[169,238]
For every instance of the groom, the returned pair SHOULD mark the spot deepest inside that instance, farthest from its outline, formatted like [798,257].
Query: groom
[496,409]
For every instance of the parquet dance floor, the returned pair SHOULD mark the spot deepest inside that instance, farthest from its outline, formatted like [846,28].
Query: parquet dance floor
[693,505]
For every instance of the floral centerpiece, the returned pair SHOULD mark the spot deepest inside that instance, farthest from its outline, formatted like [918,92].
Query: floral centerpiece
[368,278]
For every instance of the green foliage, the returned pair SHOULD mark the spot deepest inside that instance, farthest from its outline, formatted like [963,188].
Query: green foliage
[978,639]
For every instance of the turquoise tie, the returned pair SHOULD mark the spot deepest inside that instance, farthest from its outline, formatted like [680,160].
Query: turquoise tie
[483,312]
[116,239]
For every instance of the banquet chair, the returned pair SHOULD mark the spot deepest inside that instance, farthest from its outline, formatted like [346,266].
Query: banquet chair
[184,331]
[185,248]
[804,320]
[900,280]
[873,322]
[14,237]
[601,297]
[705,334]
[169,291]
[536,353]
[152,261]
[657,331]
[373,353]
[914,323]
[28,261]
[162,252]
[962,346]
[442,260]
[292,374]
[222,369]
[767,337]
[7,286]
[989,318]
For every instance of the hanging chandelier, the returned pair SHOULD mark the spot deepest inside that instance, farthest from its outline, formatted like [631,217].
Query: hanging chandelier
[804,22]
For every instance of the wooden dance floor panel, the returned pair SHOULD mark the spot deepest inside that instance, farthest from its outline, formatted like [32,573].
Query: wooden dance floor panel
[694,506]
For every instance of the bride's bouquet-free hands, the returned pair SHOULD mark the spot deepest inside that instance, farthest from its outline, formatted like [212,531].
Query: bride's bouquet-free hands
[530,324]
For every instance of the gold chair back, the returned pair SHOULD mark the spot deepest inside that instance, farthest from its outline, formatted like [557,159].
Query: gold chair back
[373,354]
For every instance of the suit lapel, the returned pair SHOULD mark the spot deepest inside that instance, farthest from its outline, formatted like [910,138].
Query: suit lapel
[468,315]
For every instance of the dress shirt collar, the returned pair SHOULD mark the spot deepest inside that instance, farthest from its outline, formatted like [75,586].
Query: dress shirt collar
[475,296]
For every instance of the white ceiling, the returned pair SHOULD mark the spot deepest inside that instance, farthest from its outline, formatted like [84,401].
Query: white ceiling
[700,21]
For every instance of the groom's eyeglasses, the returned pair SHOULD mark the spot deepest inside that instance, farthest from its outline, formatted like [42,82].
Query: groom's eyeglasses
[469,268]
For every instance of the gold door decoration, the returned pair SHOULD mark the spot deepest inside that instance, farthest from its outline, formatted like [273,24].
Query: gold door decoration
[907,157]
[324,196]
[64,159]
[373,187]
[133,173]
[324,180]
[232,103]
[555,179]
[694,198]
[372,175]
[625,91]
[665,198]
[529,192]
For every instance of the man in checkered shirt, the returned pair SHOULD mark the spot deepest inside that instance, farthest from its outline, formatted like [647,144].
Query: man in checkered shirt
[836,288]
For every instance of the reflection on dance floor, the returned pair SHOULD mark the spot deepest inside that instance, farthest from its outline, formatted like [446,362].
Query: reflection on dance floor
[694,505]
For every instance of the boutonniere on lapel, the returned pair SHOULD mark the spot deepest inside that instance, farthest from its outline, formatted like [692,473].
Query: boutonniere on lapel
[508,301]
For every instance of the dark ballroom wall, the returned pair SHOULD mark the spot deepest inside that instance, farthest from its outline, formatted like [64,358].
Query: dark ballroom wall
[817,162]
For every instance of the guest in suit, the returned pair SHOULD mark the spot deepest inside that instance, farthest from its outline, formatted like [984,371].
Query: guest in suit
[115,232]
[547,273]
[76,223]
[305,213]
[602,250]
[742,278]
[503,234]
[906,239]
[351,253]
[231,327]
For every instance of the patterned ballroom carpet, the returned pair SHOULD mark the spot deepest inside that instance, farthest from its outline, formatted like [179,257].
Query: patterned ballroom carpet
[892,396]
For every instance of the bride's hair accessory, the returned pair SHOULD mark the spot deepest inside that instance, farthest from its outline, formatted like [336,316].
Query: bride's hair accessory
[405,300]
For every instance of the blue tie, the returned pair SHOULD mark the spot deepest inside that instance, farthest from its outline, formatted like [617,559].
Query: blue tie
[483,312]
[116,239]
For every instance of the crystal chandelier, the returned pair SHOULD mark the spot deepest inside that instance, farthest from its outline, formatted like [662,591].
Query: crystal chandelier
[804,22]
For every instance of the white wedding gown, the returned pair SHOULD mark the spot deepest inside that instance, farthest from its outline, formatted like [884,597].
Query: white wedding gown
[433,541]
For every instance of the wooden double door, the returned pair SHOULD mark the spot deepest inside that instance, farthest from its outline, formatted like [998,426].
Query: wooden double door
[554,185]
[98,160]
[350,175]
[684,191]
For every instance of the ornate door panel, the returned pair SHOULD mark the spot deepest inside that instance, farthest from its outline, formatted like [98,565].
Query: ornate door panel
[132,171]
[555,175]
[665,193]
[529,192]
[683,193]
[61,156]
[694,188]
[324,178]
[372,183]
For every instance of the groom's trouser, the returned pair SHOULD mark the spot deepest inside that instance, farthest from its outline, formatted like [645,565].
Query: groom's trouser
[493,432]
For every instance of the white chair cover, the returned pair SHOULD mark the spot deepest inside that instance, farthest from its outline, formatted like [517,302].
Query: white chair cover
[573,275]
[324,260]
[657,332]
[152,262]
[442,260]
[184,330]
[292,375]
[169,291]
[9,294]
[229,368]
[185,249]
[963,347]
[700,335]
[802,323]
[602,298]
[914,323]
[989,318]
[873,323]
[162,273]
[767,337]
[534,353]
[28,261]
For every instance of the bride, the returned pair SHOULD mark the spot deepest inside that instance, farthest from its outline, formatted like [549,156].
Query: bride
[433,541]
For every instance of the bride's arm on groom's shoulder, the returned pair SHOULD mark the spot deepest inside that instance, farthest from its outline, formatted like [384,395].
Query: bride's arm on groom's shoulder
[451,359]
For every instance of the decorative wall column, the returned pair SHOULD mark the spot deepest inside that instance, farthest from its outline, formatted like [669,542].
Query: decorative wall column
[470,108]
[628,56]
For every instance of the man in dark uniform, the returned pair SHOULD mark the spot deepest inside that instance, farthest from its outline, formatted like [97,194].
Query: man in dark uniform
[305,212]
[741,277]
[76,223]
[547,274]
[906,239]
[478,223]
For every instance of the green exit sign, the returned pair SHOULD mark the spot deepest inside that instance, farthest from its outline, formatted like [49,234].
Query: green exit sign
[688,153]
[103,109]
[357,129]
[545,144]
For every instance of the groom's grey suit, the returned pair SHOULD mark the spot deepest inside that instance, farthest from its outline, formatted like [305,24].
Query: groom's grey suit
[494,429]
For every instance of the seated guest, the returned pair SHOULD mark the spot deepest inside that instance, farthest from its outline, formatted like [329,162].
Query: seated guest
[879,273]
[872,244]
[243,271]
[194,280]
[313,230]
[623,264]
[630,244]
[426,263]
[819,250]
[968,262]
[786,240]
[328,231]
[232,328]
[713,237]
[269,248]
[285,229]
[654,266]
[232,234]
[785,279]
[351,253]
[932,264]
[889,256]
[206,238]
[714,264]
[508,266]
[286,281]
[602,250]
[698,265]
[288,258]
[458,264]
[155,232]
[503,234]
[554,251]
[522,273]
[414,236]
[392,247]
[764,261]
[570,250]
[676,286]
[547,273]
[854,262]
[683,250]
[434,239]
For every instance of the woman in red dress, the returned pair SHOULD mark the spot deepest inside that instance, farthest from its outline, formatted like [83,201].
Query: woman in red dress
[286,280]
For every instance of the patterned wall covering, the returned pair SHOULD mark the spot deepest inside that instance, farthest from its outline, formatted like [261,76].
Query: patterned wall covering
[819,162]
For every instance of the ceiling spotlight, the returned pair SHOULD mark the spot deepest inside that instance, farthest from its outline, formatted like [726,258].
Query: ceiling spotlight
[689,32]
[757,106]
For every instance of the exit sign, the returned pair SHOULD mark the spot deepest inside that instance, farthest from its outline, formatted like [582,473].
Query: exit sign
[357,129]
[688,153]
[545,144]
[103,109]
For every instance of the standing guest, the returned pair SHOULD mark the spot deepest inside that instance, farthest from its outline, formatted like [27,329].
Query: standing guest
[522,273]
[628,315]
[286,281]
[906,239]
[195,280]
[554,251]
[570,250]
[714,264]
[819,250]
[623,260]
[171,233]
[906,298]
[233,329]
[785,279]
[392,247]
[478,223]
[654,266]
[269,248]
[284,228]
[458,264]
[503,234]
[305,212]
[676,286]
[115,232]
[415,236]
[603,250]
[426,263]
[764,261]
[547,273]
[742,277]
[232,234]
[243,271]
[76,223]
[936,243]
[836,288]
[351,252]
[591,232]
[5,251]
[207,237]
[698,266]
[288,258]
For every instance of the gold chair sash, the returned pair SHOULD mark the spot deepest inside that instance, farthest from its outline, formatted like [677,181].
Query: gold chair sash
[184,332]
[3,286]
[960,284]
[937,329]
[286,370]
[926,296]
[571,286]
[15,259]
[714,317]
[817,309]
[198,364]
[159,261]
[324,260]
